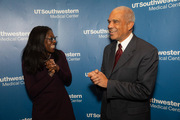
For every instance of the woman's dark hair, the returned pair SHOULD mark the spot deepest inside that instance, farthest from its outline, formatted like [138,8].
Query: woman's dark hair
[34,53]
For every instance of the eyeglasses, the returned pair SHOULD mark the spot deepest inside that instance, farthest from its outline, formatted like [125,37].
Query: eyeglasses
[51,38]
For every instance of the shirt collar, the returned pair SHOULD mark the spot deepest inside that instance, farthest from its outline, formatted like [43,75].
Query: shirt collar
[124,43]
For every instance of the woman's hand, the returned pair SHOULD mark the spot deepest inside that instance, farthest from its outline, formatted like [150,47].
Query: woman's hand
[51,66]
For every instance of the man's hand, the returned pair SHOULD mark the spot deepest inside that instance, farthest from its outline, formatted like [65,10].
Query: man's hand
[98,78]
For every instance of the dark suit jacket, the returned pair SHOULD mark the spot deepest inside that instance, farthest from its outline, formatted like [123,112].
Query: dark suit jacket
[131,83]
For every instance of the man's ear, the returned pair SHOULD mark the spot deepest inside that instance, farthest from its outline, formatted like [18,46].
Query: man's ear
[130,25]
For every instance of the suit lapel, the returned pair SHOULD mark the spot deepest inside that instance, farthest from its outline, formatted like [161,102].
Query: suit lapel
[127,54]
[111,59]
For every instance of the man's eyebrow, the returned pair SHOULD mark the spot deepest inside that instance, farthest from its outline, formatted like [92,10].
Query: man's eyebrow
[115,20]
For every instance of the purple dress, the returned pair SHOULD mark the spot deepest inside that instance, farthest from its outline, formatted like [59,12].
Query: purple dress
[48,94]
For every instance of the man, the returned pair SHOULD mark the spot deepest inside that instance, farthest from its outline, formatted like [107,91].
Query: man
[128,85]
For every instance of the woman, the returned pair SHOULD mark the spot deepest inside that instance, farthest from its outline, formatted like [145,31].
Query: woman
[46,71]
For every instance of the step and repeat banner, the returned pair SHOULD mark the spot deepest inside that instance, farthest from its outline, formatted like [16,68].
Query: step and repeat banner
[81,27]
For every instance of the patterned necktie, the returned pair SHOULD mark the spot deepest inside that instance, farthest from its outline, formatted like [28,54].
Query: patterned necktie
[118,55]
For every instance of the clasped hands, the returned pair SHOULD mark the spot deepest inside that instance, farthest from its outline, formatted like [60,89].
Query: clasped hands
[98,78]
[51,66]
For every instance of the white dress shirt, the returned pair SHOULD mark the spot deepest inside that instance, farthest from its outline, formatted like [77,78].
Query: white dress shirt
[124,43]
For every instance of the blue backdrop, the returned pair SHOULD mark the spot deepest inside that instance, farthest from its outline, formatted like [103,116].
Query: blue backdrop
[81,27]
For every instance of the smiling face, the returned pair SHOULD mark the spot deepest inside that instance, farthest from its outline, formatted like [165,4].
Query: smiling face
[49,42]
[119,27]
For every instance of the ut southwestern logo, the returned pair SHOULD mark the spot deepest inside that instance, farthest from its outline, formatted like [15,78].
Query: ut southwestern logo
[13,36]
[86,74]
[93,115]
[171,55]
[102,33]
[12,81]
[26,119]
[157,4]
[68,13]
[169,105]
[76,98]
[73,56]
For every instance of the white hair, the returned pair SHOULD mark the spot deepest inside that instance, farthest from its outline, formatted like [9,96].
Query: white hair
[129,14]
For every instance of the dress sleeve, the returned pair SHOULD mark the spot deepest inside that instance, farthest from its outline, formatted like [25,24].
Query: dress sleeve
[64,71]
[35,84]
